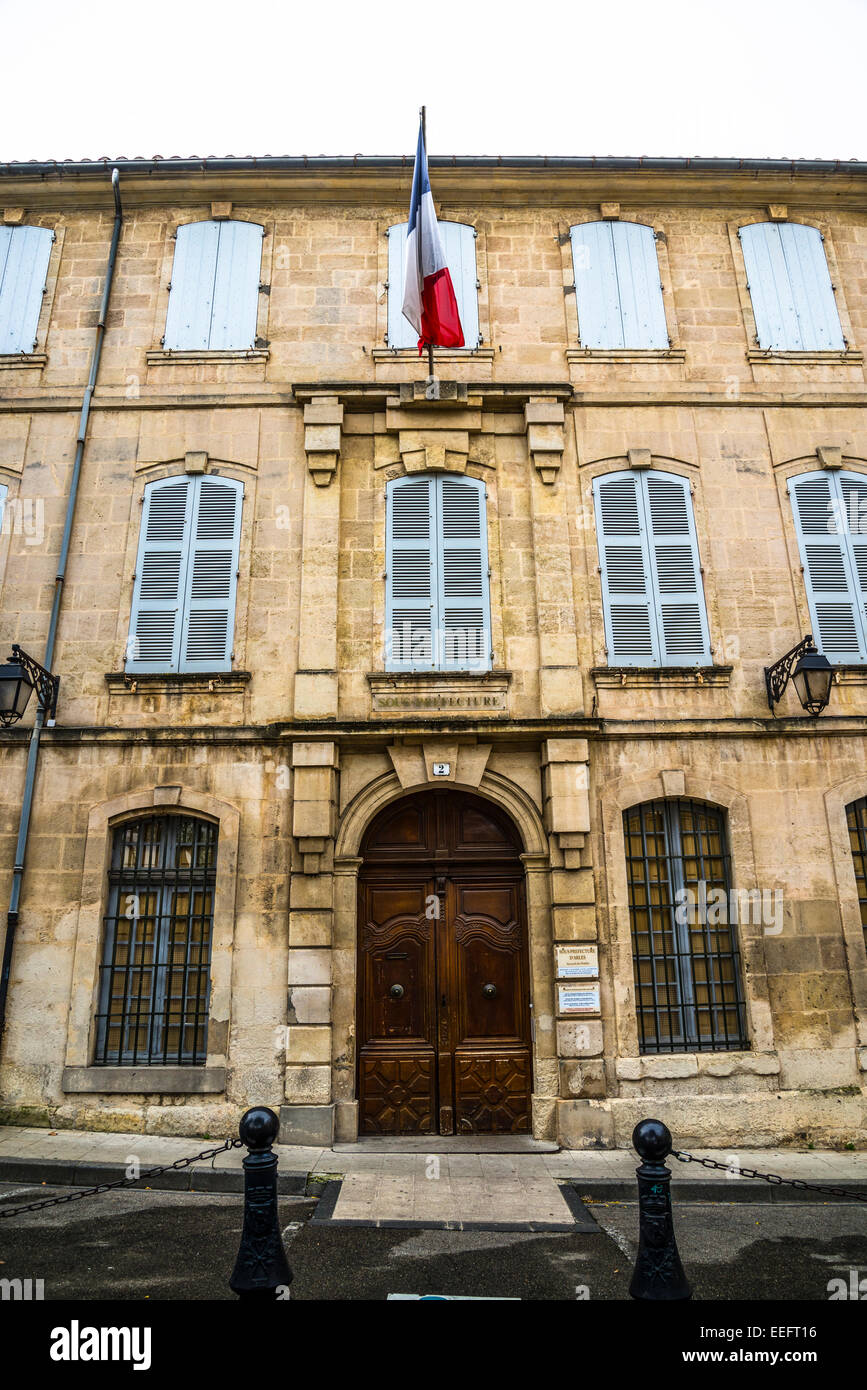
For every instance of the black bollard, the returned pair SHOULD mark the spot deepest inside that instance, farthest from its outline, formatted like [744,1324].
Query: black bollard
[658,1271]
[261,1267]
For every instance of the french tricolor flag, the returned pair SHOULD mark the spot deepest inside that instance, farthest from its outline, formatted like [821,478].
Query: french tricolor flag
[429,297]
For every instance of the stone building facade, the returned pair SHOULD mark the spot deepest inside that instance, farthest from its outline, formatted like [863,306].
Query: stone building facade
[310,753]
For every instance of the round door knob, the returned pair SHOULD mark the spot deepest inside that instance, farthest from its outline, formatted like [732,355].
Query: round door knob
[489,991]
[396,991]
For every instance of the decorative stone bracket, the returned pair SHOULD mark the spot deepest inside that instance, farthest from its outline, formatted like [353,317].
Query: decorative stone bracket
[415,763]
[430,428]
[323,427]
[545,423]
[314,800]
[830,455]
[566,791]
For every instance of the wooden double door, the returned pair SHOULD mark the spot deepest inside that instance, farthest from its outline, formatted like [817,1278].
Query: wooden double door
[443,1004]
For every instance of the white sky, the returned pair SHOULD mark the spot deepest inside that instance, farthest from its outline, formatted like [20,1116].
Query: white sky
[755,78]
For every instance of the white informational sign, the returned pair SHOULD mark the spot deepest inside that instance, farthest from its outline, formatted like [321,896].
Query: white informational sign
[441,769]
[578,999]
[577,962]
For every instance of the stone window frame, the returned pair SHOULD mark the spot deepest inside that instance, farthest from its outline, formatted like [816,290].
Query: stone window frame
[784,472]
[615,930]
[720,639]
[840,795]
[487,476]
[37,359]
[381,352]
[157,355]
[575,352]
[13,482]
[154,472]
[80,1073]
[755,354]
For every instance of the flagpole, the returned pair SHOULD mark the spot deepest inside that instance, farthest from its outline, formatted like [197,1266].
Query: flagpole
[430,359]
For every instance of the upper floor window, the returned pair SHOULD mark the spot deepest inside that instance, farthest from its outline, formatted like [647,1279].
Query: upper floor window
[214,295]
[790,287]
[183,608]
[437,587]
[155,971]
[459,246]
[617,286]
[830,511]
[652,593]
[24,257]
[684,939]
[856,819]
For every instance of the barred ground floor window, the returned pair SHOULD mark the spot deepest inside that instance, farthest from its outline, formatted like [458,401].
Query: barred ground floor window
[155,970]
[684,939]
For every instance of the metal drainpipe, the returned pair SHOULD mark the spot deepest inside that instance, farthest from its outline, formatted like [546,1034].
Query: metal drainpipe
[36,733]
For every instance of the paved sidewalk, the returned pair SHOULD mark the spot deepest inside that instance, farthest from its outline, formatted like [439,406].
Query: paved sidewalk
[477,1183]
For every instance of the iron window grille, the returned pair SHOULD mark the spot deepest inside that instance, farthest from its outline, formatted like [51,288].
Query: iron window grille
[685,949]
[155,973]
[856,819]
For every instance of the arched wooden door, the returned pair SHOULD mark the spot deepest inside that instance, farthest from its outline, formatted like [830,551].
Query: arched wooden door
[443,971]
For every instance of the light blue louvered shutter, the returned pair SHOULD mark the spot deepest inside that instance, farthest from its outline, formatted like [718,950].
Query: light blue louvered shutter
[160,579]
[211,581]
[411,578]
[617,288]
[790,288]
[3,493]
[24,256]
[833,568]
[681,616]
[463,588]
[459,247]
[191,299]
[236,286]
[630,626]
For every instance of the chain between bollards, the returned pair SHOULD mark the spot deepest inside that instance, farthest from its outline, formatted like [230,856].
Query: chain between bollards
[658,1271]
[261,1270]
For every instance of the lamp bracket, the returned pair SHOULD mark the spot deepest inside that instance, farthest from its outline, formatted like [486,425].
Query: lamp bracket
[45,684]
[777,676]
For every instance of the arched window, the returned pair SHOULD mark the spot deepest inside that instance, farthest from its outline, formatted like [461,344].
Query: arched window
[683,914]
[24,256]
[155,971]
[617,286]
[438,613]
[856,819]
[790,287]
[183,608]
[830,512]
[214,295]
[459,246]
[652,593]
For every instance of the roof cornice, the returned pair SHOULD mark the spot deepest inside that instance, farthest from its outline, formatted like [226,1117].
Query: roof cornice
[500,180]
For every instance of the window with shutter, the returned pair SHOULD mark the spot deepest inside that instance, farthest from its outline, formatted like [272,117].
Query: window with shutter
[790,288]
[183,609]
[437,587]
[214,297]
[3,494]
[830,514]
[652,594]
[617,286]
[24,256]
[459,245]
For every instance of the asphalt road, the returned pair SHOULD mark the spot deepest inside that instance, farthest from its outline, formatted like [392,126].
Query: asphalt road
[172,1246]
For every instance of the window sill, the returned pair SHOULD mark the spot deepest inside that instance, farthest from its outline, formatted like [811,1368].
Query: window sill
[23,361]
[483,354]
[676,676]
[445,692]
[848,356]
[160,357]
[670,1066]
[672,354]
[144,1080]
[175,682]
